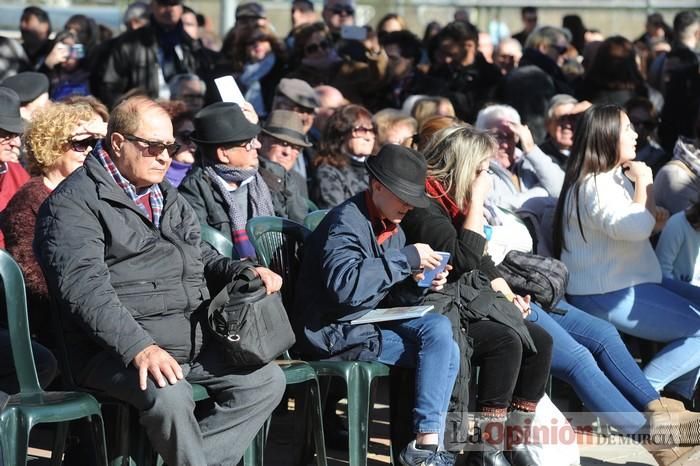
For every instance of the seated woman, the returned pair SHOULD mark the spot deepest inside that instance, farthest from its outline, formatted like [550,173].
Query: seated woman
[679,246]
[511,377]
[183,127]
[587,352]
[601,232]
[340,172]
[57,141]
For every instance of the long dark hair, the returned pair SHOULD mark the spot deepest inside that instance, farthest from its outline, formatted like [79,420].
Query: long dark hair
[332,150]
[595,151]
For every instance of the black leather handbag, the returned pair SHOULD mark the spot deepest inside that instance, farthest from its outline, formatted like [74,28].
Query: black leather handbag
[251,326]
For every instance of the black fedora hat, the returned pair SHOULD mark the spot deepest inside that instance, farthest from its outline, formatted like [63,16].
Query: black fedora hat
[221,123]
[402,171]
[10,119]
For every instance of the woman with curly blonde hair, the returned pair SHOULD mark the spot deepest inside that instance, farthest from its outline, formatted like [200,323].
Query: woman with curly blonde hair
[57,142]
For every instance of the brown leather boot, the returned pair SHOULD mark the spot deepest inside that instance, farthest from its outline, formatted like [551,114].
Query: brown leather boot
[669,427]
[676,456]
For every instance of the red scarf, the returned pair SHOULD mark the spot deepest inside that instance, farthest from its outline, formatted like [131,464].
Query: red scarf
[436,190]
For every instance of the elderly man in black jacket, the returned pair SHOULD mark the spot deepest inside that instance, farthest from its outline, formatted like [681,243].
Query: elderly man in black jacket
[122,254]
[150,56]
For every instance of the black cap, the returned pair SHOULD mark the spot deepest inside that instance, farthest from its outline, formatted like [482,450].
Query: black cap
[402,171]
[28,85]
[250,10]
[10,119]
[221,123]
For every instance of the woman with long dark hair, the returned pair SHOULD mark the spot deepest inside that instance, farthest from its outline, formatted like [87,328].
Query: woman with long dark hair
[601,232]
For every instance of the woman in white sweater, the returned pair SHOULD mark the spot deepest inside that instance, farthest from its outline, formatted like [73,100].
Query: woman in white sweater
[602,227]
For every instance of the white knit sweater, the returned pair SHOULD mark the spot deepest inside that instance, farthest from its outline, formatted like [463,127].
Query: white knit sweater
[616,252]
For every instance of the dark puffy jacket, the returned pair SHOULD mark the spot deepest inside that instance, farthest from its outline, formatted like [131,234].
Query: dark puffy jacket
[121,283]
[290,195]
[206,199]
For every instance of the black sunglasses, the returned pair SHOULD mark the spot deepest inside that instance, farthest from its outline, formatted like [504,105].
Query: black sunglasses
[154,148]
[83,145]
[313,48]
[185,136]
[340,9]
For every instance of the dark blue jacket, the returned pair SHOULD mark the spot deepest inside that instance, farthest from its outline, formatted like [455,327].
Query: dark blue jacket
[344,274]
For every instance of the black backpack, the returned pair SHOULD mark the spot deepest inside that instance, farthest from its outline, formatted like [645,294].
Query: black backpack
[543,278]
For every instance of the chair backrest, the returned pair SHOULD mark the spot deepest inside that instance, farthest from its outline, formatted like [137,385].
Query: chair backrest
[18,324]
[278,242]
[311,205]
[312,219]
[218,241]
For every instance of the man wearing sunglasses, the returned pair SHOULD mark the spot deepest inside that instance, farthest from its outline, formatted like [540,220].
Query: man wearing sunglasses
[121,252]
[338,13]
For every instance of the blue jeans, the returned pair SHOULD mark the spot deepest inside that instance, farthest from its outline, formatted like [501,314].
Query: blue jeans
[426,344]
[589,355]
[667,312]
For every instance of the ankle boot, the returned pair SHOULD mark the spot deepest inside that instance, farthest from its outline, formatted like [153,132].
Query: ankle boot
[523,449]
[669,426]
[674,456]
[489,449]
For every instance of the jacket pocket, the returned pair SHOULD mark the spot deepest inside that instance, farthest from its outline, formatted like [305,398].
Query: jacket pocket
[142,298]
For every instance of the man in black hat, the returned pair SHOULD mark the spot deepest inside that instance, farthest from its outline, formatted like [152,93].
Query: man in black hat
[121,252]
[32,89]
[151,55]
[282,138]
[12,175]
[225,188]
[357,260]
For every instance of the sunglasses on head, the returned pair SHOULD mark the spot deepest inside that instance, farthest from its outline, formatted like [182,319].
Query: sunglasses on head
[340,9]
[325,44]
[83,145]
[153,148]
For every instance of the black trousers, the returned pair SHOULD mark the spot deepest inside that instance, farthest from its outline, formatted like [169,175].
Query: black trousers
[506,371]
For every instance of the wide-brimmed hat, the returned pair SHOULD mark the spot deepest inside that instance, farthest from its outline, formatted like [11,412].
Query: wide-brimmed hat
[402,171]
[286,126]
[298,91]
[28,85]
[221,123]
[10,119]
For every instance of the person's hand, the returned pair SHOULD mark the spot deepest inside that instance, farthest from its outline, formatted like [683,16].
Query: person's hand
[250,113]
[157,363]
[638,172]
[270,279]
[481,186]
[429,259]
[523,135]
[440,279]
[581,107]
[661,216]
[58,54]
[523,303]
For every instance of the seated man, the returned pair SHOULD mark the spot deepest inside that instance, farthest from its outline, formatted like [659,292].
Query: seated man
[225,188]
[357,260]
[122,255]
[281,140]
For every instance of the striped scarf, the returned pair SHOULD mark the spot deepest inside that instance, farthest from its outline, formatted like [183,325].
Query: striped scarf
[259,199]
[156,196]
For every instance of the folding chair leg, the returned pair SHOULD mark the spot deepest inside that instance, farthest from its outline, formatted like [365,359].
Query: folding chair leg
[97,432]
[358,416]
[316,410]
[59,443]
[15,438]
[253,455]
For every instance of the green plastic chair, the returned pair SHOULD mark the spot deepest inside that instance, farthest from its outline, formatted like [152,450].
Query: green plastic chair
[278,242]
[295,372]
[312,219]
[311,205]
[32,405]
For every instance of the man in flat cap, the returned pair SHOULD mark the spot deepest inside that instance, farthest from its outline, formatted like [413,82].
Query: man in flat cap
[151,55]
[225,188]
[32,89]
[122,254]
[282,139]
[357,260]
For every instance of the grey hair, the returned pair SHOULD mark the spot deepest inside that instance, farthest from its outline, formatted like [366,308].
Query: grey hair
[492,113]
[546,35]
[177,80]
[558,100]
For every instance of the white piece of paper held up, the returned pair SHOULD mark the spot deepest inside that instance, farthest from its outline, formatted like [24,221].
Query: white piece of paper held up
[229,91]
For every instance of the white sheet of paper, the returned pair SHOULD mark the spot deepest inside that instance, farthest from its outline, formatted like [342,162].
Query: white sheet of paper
[229,91]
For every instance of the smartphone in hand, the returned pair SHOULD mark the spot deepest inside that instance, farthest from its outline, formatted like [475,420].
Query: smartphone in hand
[429,275]
[353,33]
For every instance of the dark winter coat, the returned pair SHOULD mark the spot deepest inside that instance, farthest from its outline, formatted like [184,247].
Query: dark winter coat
[205,197]
[333,185]
[290,196]
[121,283]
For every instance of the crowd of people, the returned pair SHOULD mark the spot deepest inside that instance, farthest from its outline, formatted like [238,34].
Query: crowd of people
[557,141]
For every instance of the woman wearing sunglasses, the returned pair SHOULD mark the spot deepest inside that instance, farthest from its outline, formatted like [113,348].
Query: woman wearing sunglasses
[57,142]
[183,127]
[346,143]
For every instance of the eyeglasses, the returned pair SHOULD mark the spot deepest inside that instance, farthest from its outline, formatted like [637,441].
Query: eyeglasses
[567,120]
[487,170]
[82,145]
[184,136]
[325,44]
[561,49]
[282,143]
[363,131]
[8,135]
[247,145]
[340,9]
[154,148]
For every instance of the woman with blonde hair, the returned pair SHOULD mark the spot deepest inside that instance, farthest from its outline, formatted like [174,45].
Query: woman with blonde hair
[57,141]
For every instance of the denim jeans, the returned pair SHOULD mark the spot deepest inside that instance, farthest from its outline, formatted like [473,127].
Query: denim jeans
[590,356]
[668,312]
[426,344]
